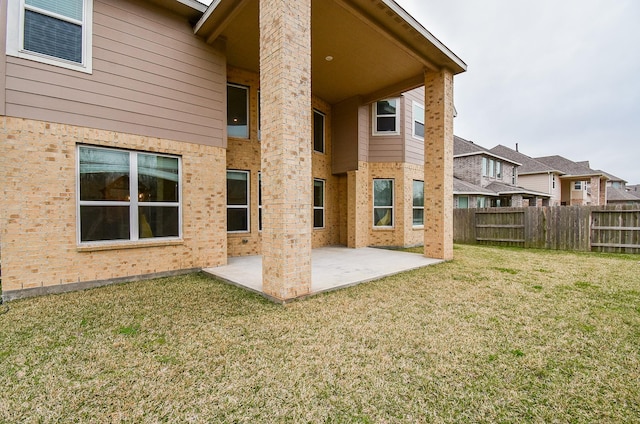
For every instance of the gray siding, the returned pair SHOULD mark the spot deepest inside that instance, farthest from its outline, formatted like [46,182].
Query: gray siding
[386,148]
[151,76]
[414,148]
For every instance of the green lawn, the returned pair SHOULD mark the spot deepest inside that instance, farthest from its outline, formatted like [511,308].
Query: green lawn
[497,335]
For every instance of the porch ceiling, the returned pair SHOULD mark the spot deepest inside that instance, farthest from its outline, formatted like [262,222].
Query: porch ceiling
[378,50]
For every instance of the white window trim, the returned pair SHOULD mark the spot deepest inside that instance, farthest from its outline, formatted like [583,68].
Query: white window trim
[392,206]
[324,132]
[247,206]
[324,186]
[247,90]
[417,207]
[15,37]
[414,120]
[374,114]
[133,203]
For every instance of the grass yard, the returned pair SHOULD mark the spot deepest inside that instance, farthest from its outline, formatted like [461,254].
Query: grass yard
[498,335]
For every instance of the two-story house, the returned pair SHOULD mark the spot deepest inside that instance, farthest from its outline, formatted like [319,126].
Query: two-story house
[142,138]
[483,178]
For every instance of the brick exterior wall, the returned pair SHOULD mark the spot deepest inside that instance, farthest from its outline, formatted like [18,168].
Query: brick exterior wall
[38,206]
[469,168]
[285,81]
[244,154]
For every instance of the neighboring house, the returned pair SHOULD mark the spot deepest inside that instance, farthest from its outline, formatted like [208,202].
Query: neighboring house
[534,175]
[148,137]
[617,192]
[634,189]
[579,184]
[484,179]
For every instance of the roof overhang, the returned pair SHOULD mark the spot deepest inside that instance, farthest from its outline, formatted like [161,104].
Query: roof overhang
[376,49]
[191,9]
[573,177]
[485,153]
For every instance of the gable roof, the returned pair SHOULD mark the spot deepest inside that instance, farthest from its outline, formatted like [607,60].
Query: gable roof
[611,176]
[568,167]
[462,147]
[528,165]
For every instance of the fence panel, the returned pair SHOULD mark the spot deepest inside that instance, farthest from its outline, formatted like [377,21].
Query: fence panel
[583,228]
[615,231]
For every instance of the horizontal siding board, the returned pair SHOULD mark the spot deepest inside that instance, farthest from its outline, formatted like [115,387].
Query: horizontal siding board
[107,124]
[30,91]
[101,83]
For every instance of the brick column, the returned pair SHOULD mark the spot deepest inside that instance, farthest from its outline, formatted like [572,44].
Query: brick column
[438,165]
[358,207]
[285,84]
[517,201]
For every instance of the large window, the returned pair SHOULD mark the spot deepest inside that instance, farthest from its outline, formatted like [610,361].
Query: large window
[386,117]
[237,111]
[418,203]
[383,203]
[56,32]
[127,195]
[238,201]
[318,131]
[318,203]
[418,121]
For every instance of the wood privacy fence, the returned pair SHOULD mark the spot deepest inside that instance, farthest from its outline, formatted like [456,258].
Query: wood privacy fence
[585,228]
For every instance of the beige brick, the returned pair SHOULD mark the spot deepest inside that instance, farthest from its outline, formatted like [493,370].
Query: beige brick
[38,207]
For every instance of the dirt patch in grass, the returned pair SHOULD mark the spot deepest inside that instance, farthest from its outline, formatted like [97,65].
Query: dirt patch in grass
[497,335]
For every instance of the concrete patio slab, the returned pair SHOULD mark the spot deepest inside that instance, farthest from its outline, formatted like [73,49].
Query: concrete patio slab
[331,267]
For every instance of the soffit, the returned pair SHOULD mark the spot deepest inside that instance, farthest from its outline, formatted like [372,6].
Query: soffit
[375,52]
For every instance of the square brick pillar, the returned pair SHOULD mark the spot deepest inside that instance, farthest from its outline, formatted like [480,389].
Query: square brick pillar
[285,90]
[358,208]
[438,165]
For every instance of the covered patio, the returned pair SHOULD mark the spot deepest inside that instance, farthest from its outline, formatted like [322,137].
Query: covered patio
[332,268]
[349,54]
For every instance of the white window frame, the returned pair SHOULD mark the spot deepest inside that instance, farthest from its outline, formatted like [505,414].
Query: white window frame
[315,208]
[133,202]
[247,90]
[414,207]
[553,181]
[418,118]
[324,130]
[485,166]
[577,185]
[15,35]
[245,206]
[392,206]
[492,168]
[375,116]
[498,169]
[514,176]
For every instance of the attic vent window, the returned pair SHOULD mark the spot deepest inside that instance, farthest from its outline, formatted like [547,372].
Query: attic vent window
[57,32]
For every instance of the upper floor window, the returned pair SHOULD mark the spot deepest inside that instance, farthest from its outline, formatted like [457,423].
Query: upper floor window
[418,120]
[485,167]
[383,203]
[237,111]
[238,201]
[386,117]
[318,131]
[514,175]
[553,182]
[418,203]
[125,195]
[498,169]
[577,185]
[57,32]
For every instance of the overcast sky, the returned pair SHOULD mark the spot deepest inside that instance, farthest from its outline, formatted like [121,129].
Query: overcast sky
[559,77]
